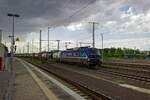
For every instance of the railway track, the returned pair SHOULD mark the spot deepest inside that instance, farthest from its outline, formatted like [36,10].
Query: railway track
[124,71]
[129,65]
[96,89]
[84,91]
[135,76]
[131,71]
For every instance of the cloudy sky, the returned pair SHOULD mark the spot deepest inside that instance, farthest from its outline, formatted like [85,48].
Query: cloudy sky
[124,23]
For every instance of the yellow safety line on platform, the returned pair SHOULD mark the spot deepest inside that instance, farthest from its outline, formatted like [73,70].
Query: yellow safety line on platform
[44,88]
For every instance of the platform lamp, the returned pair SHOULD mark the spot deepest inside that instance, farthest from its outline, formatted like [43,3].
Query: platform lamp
[12,37]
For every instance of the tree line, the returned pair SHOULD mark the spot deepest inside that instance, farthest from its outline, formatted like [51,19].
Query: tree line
[122,53]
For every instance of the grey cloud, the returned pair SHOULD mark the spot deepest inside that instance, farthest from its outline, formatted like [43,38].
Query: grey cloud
[39,14]
[140,5]
[50,10]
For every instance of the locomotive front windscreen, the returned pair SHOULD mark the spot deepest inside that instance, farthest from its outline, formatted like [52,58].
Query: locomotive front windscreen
[94,53]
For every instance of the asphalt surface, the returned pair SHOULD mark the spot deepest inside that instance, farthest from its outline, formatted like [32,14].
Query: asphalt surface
[25,87]
[6,85]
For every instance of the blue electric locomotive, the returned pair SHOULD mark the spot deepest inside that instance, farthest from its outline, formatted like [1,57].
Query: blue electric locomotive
[83,55]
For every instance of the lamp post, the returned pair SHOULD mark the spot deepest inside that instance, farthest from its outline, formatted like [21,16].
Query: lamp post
[48,38]
[12,37]
[102,47]
[93,23]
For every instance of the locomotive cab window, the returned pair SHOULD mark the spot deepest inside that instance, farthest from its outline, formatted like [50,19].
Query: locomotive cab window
[94,53]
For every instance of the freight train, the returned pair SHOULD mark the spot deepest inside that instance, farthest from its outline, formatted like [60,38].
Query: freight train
[82,55]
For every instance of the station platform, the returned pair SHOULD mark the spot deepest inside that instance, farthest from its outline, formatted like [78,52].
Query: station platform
[33,84]
[6,85]
[25,87]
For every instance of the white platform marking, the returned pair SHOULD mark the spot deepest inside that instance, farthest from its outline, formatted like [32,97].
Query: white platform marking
[46,91]
[136,88]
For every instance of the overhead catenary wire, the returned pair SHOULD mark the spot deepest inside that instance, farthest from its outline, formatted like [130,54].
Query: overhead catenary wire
[80,9]
[76,12]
